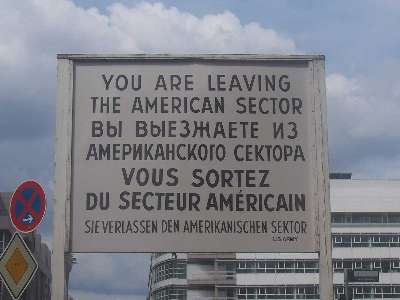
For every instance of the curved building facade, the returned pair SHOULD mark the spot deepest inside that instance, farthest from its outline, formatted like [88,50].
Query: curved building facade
[365,236]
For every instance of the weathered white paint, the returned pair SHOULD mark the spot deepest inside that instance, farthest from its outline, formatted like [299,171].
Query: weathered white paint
[323,193]
[61,223]
[105,176]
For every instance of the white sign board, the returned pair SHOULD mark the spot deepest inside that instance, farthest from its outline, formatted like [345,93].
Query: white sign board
[196,154]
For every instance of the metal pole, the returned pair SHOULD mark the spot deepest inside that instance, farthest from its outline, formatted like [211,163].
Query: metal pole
[62,179]
[324,212]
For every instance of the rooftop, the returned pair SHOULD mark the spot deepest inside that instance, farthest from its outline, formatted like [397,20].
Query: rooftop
[365,195]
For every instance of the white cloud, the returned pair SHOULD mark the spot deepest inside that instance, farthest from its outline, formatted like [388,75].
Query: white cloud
[155,28]
[33,32]
[359,109]
[41,28]
[363,115]
[339,86]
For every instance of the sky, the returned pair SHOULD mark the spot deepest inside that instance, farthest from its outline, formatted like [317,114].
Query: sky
[360,40]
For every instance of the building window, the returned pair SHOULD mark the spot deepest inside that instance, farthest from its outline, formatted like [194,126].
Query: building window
[169,269]
[338,218]
[157,254]
[278,292]
[395,266]
[394,218]
[277,266]
[170,294]
[357,240]
[383,265]
[366,218]
[357,265]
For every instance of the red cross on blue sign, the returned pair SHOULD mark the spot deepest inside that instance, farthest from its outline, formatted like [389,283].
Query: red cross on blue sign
[27,206]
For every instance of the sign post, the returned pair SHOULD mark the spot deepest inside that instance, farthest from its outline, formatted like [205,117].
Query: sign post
[324,208]
[212,153]
[62,177]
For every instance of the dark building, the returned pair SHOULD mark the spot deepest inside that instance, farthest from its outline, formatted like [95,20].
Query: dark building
[39,288]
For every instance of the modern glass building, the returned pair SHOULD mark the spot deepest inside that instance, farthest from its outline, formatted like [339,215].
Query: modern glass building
[365,236]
